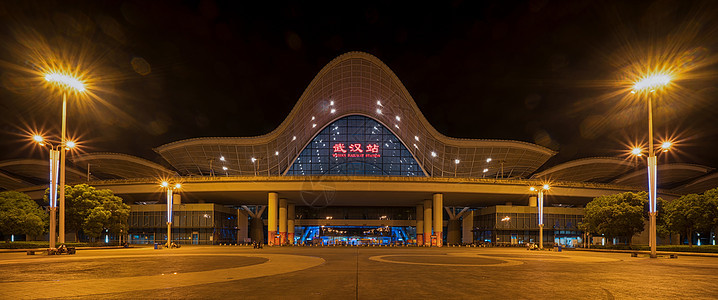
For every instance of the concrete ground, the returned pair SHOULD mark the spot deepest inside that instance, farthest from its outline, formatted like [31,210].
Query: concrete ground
[354,273]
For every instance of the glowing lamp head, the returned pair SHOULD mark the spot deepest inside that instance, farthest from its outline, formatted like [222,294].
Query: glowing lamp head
[66,80]
[546,187]
[433,154]
[221,158]
[38,139]
[178,186]
[457,161]
[486,170]
[652,82]
[488,160]
[224,168]
[533,189]
[165,184]
[637,151]
[665,146]
[70,145]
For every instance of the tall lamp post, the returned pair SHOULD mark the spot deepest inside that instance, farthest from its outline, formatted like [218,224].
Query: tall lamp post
[170,192]
[645,87]
[52,197]
[540,192]
[73,84]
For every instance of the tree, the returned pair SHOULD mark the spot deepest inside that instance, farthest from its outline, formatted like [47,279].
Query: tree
[691,213]
[711,198]
[616,216]
[93,211]
[21,215]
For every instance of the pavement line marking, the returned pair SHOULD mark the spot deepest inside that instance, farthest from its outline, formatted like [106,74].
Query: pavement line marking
[276,264]
[505,262]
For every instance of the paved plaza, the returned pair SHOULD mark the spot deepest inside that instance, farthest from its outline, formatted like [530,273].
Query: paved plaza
[354,273]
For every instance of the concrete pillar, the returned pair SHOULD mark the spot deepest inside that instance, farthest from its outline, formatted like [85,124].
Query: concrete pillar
[467,236]
[427,223]
[453,232]
[290,223]
[282,221]
[532,201]
[257,233]
[272,217]
[439,218]
[242,226]
[420,225]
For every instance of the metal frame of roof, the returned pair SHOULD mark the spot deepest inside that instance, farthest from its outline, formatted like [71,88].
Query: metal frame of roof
[37,170]
[699,185]
[668,175]
[593,169]
[118,165]
[355,83]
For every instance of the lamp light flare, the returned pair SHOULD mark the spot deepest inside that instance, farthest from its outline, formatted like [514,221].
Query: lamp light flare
[333,110]
[433,154]
[178,186]
[165,184]
[66,80]
[546,187]
[457,161]
[486,170]
[665,146]
[254,159]
[488,160]
[70,145]
[224,168]
[637,151]
[652,81]
[38,139]
[221,158]
[533,189]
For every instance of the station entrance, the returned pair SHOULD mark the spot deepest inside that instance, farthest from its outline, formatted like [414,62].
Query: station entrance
[353,235]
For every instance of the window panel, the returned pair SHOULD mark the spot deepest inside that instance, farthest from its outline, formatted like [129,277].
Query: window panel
[355,145]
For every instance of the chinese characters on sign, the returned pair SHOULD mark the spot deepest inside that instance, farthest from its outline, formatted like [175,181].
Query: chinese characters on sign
[355,150]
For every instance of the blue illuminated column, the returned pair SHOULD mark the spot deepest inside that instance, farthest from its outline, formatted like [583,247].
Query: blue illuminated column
[52,197]
[170,192]
[540,191]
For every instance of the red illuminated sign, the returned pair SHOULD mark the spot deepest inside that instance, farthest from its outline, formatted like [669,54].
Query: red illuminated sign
[355,150]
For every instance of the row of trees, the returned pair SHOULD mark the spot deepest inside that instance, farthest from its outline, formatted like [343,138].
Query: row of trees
[89,212]
[623,215]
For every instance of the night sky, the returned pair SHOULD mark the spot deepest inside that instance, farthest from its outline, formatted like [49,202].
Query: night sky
[552,73]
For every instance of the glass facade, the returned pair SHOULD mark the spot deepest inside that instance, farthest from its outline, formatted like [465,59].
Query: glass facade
[191,224]
[506,225]
[355,145]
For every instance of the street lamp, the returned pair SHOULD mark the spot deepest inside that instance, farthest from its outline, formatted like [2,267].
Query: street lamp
[52,197]
[645,86]
[540,192]
[66,82]
[170,192]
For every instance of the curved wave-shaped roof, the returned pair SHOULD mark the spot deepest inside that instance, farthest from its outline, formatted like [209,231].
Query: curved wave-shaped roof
[355,83]
[9,182]
[37,171]
[699,185]
[108,165]
[594,169]
[668,175]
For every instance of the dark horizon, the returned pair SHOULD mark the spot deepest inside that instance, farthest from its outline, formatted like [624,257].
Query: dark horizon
[542,72]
